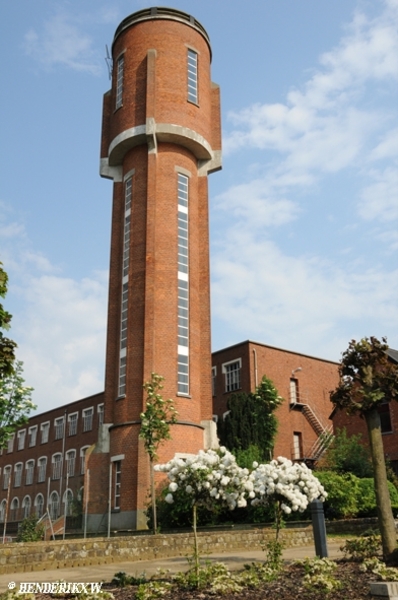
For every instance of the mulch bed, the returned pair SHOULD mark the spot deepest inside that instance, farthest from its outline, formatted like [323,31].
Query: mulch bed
[289,586]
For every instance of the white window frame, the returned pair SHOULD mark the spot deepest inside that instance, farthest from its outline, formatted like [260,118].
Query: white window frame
[18,470]
[44,432]
[73,420]
[70,462]
[100,413]
[30,471]
[82,453]
[88,418]
[230,384]
[27,501]
[41,469]
[59,424]
[56,466]
[39,513]
[10,443]
[213,380]
[21,437]
[7,476]
[54,504]
[32,436]
[14,509]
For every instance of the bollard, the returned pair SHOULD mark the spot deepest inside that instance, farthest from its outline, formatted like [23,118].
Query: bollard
[319,529]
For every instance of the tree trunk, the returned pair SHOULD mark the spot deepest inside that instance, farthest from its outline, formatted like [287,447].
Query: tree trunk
[383,501]
[196,545]
[153,497]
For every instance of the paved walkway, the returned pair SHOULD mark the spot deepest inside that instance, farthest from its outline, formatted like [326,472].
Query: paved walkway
[105,572]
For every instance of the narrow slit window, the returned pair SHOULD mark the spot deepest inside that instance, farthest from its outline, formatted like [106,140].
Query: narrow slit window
[119,82]
[193,76]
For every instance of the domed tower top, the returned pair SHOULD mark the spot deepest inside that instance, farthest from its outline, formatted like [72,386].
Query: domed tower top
[161,88]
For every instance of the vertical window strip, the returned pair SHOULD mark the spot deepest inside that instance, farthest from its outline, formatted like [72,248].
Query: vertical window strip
[192,64]
[119,82]
[183,287]
[125,285]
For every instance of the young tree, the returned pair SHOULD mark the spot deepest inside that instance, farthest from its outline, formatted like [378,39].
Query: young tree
[367,378]
[7,346]
[155,427]
[346,454]
[251,423]
[15,403]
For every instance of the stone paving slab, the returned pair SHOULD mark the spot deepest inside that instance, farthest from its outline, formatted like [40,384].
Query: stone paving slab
[234,560]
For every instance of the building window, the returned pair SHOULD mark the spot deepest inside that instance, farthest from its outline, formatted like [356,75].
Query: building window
[14,510]
[128,190]
[41,469]
[32,436]
[3,507]
[56,466]
[293,391]
[385,417]
[67,500]
[297,446]
[44,431]
[10,443]
[192,76]
[183,286]
[59,428]
[118,474]
[39,505]
[232,375]
[72,420]
[26,506]
[30,469]
[213,380]
[70,462]
[6,477]
[21,435]
[83,459]
[119,81]
[18,474]
[100,412]
[54,505]
[88,419]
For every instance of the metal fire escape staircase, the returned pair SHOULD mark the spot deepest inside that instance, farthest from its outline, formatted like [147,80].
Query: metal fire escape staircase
[325,434]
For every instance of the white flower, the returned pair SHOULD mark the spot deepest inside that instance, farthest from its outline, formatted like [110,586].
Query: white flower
[169,498]
[173,487]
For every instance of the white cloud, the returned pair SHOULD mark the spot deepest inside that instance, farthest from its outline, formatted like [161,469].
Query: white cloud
[58,323]
[62,41]
[298,302]
[379,200]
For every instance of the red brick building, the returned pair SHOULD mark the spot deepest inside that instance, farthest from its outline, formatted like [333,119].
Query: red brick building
[303,381]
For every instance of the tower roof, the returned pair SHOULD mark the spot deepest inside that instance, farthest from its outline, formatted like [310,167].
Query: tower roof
[162,12]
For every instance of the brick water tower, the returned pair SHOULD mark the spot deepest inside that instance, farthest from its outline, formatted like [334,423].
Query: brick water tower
[161,137]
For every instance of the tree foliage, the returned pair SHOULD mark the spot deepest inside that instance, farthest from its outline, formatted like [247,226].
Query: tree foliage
[346,454]
[15,403]
[157,417]
[369,377]
[251,421]
[7,346]
[159,414]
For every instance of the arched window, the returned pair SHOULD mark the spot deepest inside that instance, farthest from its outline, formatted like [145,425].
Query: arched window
[14,510]
[30,469]
[18,474]
[3,506]
[54,505]
[83,459]
[57,466]
[26,506]
[70,462]
[68,503]
[6,476]
[41,469]
[39,505]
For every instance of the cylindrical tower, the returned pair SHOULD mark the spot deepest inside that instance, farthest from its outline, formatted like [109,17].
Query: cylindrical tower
[161,137]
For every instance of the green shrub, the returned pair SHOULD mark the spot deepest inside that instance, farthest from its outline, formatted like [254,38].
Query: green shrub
[342,500]
[30,530]
[366,546]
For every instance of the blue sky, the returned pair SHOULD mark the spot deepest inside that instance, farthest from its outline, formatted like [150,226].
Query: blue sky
[304,213]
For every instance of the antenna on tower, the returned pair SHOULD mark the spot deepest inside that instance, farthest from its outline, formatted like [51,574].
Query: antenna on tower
[109,61]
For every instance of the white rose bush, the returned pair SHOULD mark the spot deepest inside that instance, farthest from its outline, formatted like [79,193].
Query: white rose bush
[213,478]
[289,486]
